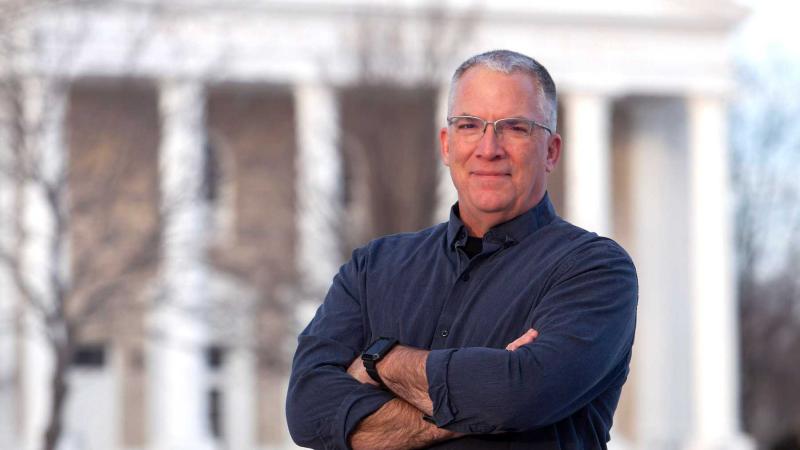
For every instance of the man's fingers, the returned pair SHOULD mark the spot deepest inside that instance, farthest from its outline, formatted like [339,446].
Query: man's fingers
[526,338]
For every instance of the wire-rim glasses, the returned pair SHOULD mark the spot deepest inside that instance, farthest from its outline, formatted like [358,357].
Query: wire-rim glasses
[472,128]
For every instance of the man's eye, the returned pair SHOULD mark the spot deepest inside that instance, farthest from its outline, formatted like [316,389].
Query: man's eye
[466,125]
[516,126]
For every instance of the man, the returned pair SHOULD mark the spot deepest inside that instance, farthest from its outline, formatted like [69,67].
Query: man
[505,327]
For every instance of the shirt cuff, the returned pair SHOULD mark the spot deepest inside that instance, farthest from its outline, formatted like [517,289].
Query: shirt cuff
[436,368]
[363,401]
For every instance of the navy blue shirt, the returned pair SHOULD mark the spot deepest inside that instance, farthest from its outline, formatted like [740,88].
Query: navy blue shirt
[577,289]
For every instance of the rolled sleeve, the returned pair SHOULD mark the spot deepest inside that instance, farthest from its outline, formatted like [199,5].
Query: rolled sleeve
[360,403]
[436,368]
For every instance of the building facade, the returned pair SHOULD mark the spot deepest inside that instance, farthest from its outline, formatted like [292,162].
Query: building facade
[184,178]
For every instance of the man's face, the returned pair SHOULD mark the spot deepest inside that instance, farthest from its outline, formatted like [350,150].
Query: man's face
[498,178]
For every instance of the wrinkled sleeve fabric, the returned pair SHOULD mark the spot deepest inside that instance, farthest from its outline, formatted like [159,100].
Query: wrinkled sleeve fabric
[586,321]
[324,403]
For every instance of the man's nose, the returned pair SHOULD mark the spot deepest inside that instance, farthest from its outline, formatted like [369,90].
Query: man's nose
[489,145]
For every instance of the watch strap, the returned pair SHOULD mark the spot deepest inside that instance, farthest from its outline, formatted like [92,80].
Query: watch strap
[372,371]
[370,360]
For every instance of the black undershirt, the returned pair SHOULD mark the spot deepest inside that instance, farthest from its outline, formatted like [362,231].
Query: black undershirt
[473,246]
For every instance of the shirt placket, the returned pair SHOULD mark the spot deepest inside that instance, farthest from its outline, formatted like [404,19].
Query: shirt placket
[465,275]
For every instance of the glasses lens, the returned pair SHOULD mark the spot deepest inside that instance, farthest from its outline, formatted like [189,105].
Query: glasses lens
[514,128]
[467,127]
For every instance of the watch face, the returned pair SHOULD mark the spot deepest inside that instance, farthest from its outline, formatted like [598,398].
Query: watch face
[378,348]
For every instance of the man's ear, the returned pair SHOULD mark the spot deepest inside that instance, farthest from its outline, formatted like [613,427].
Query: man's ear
[444,148]
[553,152]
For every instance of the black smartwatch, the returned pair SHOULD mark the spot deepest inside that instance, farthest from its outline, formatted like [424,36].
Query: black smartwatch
[374,353]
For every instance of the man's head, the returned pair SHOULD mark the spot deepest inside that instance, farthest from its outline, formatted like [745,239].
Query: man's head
[500,170]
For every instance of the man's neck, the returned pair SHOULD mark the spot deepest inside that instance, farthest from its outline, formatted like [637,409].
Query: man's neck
[478,224]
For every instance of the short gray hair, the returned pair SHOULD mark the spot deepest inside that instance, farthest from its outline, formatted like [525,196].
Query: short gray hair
[508,62]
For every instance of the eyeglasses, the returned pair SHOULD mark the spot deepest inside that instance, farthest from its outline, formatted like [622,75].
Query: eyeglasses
[471,128]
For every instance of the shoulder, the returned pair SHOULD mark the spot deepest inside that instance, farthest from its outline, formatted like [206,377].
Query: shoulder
[580,240]
[584,249]
[402,245]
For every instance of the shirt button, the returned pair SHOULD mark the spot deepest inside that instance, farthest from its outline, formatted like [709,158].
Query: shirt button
[445,333]
[465,276]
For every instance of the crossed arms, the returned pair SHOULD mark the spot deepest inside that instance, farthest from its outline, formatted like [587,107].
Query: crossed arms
[397,424]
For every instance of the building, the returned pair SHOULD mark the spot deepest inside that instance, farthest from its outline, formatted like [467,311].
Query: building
[206,163]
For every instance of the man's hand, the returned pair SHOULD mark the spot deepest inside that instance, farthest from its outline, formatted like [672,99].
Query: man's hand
[397,425]
[526,338]
[359,372]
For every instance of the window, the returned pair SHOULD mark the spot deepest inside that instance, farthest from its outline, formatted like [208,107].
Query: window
[215,357]
[215,412]
[90,356]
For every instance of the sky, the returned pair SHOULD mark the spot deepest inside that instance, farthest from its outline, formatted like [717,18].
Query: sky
[768,45]
[772,23]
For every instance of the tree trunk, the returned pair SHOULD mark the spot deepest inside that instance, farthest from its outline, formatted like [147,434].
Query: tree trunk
[59,394]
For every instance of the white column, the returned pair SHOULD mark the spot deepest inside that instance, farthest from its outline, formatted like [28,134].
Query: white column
[8,297]
[240,389]
[42,257]
[587,158]
[240,399]
[178,374]
[93,389]
[652,146]
[319,179]
[446,194]
[716,365]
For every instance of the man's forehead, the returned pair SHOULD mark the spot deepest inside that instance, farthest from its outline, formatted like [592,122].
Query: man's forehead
[478,81]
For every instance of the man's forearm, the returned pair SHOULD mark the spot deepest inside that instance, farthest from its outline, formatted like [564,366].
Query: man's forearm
[403,372]
[397,425]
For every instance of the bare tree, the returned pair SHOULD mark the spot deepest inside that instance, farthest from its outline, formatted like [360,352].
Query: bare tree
[766,153]
[70,292]
[96,233]
[103,211]
[26,171]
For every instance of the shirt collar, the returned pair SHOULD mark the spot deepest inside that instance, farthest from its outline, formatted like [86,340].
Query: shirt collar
[506,233]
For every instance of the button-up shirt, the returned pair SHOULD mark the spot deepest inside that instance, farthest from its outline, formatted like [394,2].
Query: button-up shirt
[578,290]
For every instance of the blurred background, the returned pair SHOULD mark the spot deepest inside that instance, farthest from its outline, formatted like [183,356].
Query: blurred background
[179,181]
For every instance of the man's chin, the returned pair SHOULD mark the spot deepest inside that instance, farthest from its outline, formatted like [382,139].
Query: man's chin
[492,207]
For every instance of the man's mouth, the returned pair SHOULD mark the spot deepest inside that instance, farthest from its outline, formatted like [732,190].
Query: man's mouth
[489,173]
